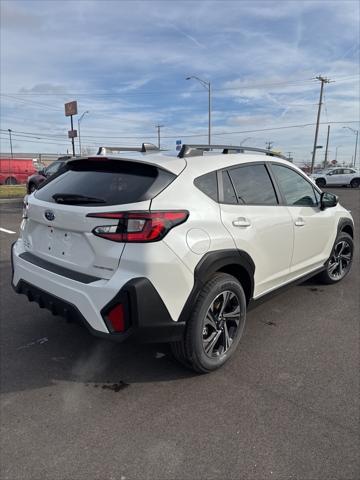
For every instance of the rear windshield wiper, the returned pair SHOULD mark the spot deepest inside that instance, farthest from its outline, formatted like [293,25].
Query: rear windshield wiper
[74,198]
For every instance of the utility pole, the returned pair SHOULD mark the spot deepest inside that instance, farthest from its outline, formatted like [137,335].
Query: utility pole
[207,86]
[289,156]
[12,156]
[322,80]
[269,145]
[327,146]
[158,132]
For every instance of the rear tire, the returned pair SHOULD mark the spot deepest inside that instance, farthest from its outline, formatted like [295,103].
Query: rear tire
[215,326]
[320,182]
[355,183]
[340,260]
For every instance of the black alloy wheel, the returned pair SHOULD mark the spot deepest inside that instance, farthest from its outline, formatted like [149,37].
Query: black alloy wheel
[340,260]
[221,323]
[215,326]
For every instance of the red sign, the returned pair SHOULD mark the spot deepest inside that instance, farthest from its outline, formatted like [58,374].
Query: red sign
[72,133]
[70,109]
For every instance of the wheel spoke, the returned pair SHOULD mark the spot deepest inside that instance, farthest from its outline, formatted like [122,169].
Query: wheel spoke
[340,268]
[234,314]
[227,339]
[211,320]
[209,346]
[226,297]
[332,268]
[342,246]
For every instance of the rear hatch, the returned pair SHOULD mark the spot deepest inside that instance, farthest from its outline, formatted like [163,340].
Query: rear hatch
[58,228]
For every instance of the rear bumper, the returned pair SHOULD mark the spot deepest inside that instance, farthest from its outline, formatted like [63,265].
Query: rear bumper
[147,318]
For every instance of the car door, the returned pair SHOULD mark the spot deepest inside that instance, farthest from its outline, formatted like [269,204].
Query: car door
[335,177]
[258,224]
[313,227]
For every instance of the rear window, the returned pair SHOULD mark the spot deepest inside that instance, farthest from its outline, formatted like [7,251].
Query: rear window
[105,182]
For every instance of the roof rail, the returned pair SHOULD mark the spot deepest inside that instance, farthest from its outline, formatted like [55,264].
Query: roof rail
[145,147]
[198,150]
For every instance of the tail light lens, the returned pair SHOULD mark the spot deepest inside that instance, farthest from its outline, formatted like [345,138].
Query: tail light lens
[138,227]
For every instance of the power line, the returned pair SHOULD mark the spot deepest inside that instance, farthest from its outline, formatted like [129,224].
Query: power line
[161,92]
[177,135]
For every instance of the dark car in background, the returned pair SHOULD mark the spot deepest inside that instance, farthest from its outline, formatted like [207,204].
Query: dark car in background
[34,181]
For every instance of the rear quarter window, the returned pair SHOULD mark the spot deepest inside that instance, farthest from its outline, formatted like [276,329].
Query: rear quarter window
[112,182]
[208,184]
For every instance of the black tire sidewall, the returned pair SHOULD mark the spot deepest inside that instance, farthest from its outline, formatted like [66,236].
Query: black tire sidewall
[320,182]
[195,338]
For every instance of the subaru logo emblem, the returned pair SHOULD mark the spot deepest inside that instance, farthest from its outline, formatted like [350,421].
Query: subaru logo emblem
[49,215]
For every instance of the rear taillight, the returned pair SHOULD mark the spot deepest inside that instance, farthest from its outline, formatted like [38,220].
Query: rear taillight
[138,227]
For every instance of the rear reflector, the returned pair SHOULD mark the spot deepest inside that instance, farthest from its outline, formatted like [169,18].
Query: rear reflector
[138,227]
[116,317]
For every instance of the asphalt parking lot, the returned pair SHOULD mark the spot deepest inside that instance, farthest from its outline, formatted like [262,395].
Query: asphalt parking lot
[286,407]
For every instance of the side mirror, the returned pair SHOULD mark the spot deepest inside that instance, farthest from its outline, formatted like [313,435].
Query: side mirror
[328,200]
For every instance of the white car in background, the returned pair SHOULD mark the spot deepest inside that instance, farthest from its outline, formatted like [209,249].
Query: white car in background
[340,177]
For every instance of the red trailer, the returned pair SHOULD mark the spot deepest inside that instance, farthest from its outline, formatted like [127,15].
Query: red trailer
[15,170]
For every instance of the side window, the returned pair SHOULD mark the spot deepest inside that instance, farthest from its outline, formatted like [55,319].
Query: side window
[347,171]
[229,192]
[53,168]
[253,185]
[208,184]
[295,188]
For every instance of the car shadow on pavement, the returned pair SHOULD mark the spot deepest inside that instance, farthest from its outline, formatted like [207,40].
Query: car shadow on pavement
[41,350]
[38,350]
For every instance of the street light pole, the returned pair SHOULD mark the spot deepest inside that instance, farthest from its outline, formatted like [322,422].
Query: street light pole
[207,86]
[243,141]
[336,151]
[81,117]
[356,143]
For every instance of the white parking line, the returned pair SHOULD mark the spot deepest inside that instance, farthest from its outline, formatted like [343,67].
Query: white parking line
[6,231]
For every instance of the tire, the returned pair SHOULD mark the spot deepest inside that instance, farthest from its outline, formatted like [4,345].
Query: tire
[320,182]
[11,181]
[340,260]
[355,183]
[215,326]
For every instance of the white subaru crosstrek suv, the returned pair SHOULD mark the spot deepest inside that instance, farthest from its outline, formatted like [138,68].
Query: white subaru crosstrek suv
[167,248]
[339,177]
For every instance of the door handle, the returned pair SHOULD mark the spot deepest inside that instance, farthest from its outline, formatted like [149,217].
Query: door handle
[299,222]
[241,222]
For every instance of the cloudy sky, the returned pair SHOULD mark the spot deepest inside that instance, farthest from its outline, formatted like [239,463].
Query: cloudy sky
[126,62]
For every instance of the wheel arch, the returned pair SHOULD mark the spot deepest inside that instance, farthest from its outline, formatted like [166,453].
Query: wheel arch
[234,262]
[346,225]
